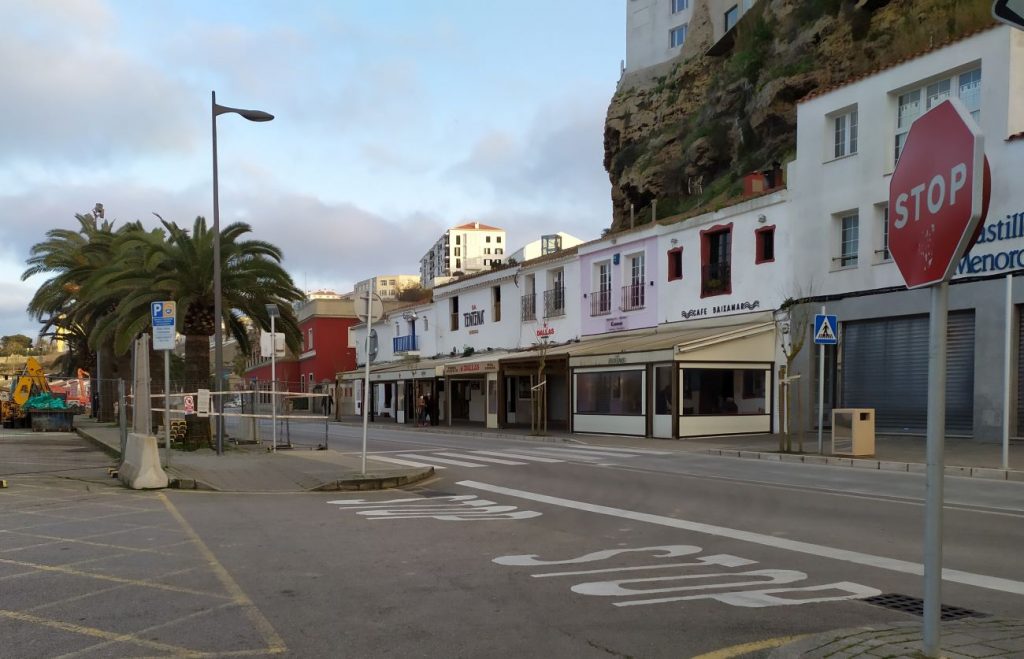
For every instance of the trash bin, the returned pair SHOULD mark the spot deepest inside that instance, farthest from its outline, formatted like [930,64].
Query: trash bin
[853,432]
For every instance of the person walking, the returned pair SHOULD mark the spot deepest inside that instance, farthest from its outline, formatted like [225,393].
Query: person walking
[421,406]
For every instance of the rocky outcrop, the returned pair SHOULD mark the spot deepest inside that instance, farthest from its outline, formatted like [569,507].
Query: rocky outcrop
[685,132]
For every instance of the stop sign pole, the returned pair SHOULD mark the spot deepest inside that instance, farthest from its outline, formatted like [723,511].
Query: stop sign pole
[937,203]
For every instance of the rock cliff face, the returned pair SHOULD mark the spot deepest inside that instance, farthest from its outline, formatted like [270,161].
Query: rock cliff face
[685,132]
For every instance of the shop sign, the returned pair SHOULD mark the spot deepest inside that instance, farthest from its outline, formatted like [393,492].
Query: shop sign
[614,361]
[475,367]
[1003,258]
[544,332]
[615,324]
[473,318]
[700,312]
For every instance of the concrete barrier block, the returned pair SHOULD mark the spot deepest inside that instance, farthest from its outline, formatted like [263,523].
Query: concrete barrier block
[815,459]
[992,474]
[750,454]
[787,457]
[774,457]
[845,462]
[140,469]
[1015,476]
[958,471]
[886,465]
[729,454]
[917,467]
[714,451]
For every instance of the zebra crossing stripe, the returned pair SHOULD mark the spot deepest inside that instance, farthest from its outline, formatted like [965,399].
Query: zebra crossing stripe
[640,451]
[404,463]
[479,457]
[432,459]
[518,456]
[580,454]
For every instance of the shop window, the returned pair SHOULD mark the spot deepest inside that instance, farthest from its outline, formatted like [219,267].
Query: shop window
[675,263]
[618,393]
[765,239]
[721,391]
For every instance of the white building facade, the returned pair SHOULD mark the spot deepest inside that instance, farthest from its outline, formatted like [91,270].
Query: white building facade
[848,141]
[386,286]
[467,249]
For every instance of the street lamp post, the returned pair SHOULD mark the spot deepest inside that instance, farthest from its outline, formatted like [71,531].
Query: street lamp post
[218,337]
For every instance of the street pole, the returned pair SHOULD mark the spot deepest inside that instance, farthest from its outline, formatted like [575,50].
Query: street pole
[366,385]
[1006,372]
[167,408]
[218,337]
[821,386]
[273,385]
[934,471]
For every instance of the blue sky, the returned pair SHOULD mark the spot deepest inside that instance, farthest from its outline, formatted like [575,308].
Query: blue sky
[394,120]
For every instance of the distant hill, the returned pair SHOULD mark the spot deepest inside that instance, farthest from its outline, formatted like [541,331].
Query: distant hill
[685,132]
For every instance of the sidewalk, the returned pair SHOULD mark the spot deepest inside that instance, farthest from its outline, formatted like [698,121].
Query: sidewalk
[254,469]
[963,457]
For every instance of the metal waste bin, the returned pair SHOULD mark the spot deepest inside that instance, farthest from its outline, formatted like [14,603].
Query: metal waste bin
[853,432]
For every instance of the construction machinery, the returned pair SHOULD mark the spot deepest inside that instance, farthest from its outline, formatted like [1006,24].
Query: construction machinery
[32,381]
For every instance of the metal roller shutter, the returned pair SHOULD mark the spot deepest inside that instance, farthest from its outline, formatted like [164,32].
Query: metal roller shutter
[885,367]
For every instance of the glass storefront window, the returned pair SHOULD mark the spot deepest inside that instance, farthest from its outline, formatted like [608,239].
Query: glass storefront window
[724,391]
[618,393]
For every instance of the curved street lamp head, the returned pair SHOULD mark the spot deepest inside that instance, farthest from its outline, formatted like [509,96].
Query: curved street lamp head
[251,115]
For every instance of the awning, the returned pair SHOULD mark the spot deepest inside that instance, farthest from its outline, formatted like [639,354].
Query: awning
[476,364]
[411,369]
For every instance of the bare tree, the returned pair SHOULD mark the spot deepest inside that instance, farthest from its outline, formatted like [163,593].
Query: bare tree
[792,321]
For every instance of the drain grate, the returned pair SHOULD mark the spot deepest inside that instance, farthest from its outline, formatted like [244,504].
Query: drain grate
[915,606]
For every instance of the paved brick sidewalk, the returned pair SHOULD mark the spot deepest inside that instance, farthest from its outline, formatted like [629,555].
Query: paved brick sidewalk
[974,638]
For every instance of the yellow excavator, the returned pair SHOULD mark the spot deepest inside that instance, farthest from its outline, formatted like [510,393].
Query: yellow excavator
[32,381]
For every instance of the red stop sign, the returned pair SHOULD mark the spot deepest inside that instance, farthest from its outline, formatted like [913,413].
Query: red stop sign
[937,194]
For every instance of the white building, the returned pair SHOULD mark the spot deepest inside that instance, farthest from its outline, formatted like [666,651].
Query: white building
[546,244]
[848,140]
[386,286]
[467,248]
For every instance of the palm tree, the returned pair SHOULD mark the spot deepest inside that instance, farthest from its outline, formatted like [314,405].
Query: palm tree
[74,258]
[177,264]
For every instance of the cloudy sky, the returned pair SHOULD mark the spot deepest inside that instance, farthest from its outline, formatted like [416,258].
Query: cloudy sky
[394,120]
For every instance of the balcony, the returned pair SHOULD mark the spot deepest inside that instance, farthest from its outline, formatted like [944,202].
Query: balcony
[633,297]
[716,279]
[554,302]
[601,302]
[529,307]
[405,344]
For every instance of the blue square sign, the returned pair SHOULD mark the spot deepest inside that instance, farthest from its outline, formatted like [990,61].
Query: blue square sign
[825,326]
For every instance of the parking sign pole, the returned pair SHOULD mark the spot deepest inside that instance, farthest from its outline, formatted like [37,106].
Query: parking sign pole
[821,386]
[167,408]
[935,471]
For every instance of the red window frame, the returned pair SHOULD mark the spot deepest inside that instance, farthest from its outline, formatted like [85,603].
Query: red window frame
[758,247]
[705,256]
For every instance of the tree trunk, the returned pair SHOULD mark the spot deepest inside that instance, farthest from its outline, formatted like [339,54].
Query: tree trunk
[197,376]
[107,387]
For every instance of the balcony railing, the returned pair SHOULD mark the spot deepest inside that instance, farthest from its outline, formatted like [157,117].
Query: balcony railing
[408,343]
[554,302]
[633,297]
[601,302]
[716,279]
[529,302]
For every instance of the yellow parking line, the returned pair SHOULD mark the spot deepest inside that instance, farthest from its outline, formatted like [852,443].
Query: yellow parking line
[274,642]
[104,591]
[97,633]
[747,648]
[55,540]
[104,577]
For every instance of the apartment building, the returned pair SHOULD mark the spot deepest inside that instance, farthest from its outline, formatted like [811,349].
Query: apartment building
[466,249]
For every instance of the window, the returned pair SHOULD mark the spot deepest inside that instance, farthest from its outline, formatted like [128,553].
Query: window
[966,86]
[458,264]
[882,253]
[554,297]
[848,240]
[496,303]
[634,294]
[675,263]
[453,306]
[309,339]
[498,250]
[677,36]
[765,238]
[721,391]
[487,239]
[497,239]
[457,240]
[845,134]
[529,300]
[716,260]
[487,250]
[458,251]
[601,299]
[680,5]
[426,325]
[610,392]
[731,17]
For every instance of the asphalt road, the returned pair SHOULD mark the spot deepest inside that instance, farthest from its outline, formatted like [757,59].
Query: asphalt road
[515,548]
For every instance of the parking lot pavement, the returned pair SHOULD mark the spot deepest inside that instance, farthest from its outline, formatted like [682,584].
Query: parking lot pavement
[88,568]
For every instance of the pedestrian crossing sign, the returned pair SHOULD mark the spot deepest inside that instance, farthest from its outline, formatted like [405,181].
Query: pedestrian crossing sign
[825,329]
